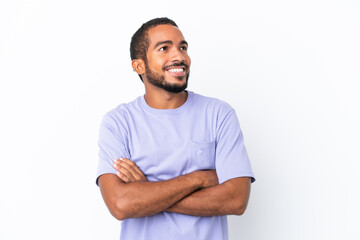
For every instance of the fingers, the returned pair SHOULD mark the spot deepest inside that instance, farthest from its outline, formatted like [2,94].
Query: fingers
[131,165]
[209,177]
[125,172]
[128,171]
[139,175]
[123,177]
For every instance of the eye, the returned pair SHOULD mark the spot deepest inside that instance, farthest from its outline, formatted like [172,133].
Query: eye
[163,48]
[183,48]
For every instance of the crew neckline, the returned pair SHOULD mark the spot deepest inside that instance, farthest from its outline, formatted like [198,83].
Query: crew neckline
[172,111]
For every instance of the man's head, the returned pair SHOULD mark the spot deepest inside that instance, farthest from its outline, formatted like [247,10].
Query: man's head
[159,54]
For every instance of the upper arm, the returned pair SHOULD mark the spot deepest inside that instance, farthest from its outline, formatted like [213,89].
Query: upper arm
[232,160]
[111,187]
[112,144]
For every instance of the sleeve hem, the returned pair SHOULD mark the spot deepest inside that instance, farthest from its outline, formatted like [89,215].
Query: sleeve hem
[97,178]
[244,174]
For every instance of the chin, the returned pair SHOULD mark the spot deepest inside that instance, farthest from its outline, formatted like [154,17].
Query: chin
[175,88]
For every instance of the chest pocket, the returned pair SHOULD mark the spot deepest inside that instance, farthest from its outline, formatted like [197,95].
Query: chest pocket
[203,155]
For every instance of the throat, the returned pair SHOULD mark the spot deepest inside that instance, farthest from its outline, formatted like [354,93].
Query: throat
[166,100]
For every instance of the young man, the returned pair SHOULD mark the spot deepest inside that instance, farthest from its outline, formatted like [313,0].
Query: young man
[172,163]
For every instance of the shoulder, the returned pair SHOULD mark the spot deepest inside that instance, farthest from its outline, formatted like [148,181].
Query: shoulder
[120,114]
[211,104]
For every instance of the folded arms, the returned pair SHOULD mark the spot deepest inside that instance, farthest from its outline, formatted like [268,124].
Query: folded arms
[129,195]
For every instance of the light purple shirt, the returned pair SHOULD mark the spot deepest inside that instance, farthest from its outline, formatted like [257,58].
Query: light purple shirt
[203,133]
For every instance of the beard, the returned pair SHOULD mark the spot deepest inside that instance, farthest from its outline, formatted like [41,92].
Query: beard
[159,81]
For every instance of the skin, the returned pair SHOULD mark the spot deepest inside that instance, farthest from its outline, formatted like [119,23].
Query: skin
[142,198]
[160,57]
[231,197]
[129,194]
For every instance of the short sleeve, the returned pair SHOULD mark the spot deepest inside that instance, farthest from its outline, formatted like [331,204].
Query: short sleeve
[112,145]
[231,156]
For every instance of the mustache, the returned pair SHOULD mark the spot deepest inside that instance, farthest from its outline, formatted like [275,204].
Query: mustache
[180,64]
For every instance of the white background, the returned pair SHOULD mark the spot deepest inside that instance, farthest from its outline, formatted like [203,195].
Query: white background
[289,68]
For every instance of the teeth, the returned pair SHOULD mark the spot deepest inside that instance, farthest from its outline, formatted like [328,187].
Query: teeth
[176,70]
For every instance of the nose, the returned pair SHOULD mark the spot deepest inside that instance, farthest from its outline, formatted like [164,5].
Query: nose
[177,55]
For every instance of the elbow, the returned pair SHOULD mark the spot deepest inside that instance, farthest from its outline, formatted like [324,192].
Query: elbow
[240,211]
[240,208]
[118,210]
[116,196]
[118,215]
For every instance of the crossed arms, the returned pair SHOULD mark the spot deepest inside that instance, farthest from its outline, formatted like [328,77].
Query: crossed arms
[129,195]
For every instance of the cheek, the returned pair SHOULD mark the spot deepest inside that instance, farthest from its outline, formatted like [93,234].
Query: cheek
[156,64]
[153,61]
[188,60]
[153,67]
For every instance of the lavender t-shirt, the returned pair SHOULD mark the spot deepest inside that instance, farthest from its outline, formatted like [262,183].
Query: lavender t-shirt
[203,133]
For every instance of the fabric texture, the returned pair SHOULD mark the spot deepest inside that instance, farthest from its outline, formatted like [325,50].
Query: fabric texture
[203,133]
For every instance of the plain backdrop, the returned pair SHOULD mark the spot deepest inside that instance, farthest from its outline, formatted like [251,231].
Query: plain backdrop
[289,68]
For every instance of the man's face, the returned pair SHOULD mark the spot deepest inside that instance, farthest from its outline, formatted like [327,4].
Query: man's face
[168,64]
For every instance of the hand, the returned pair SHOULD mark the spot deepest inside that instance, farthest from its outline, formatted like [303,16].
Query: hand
[209,178]
[128,171]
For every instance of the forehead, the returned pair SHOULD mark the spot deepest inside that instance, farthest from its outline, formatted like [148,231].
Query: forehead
[164,33]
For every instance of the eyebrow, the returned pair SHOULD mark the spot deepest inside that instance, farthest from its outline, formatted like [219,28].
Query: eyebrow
[169,42]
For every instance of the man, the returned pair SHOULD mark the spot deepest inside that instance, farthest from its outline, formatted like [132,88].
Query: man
[172,163]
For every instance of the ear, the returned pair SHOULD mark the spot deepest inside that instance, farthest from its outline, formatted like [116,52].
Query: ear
[138,66]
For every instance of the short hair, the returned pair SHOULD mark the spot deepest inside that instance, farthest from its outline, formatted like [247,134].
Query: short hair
[140,40]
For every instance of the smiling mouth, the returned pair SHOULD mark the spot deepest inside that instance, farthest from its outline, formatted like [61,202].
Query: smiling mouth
[176,71]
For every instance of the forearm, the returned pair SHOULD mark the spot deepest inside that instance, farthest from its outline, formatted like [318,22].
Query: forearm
[224,199]
[139,199]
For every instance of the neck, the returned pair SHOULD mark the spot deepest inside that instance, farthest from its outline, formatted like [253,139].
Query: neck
[162,99]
